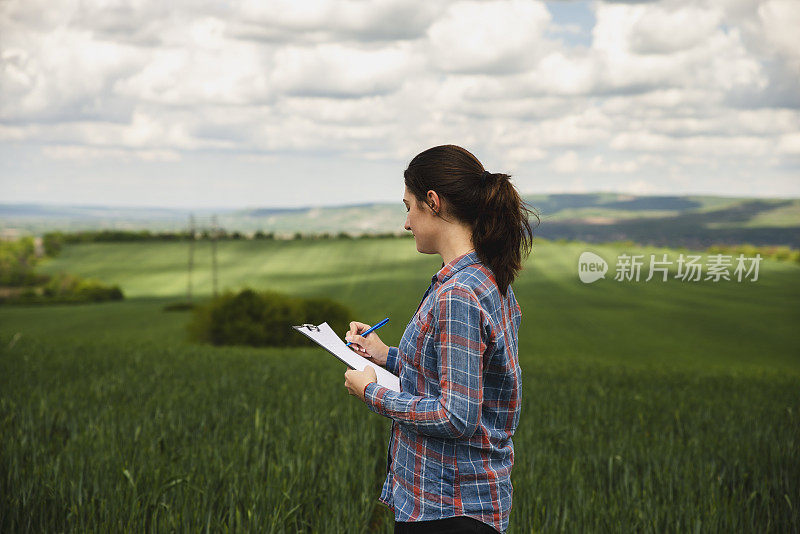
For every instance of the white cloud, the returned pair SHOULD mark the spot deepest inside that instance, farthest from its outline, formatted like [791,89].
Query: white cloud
[571,162]
[219,72]
[638,187]
[340,71]
[316,21]
[637,54]
[85,153]
[62,75]
[789,144]
[780,20]
[491,37]
[665,91]
[566,163]
[709,145]
[668,29]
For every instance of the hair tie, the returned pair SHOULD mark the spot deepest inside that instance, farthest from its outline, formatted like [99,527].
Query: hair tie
[485,176]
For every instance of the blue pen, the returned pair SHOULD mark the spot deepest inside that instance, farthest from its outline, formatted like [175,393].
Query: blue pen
[369,331]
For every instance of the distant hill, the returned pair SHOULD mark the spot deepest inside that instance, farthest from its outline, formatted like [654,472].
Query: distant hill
[691,221]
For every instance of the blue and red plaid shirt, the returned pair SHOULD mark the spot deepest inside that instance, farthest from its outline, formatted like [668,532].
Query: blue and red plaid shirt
[451,452]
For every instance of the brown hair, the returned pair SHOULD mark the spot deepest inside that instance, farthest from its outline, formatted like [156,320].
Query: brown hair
[488,202]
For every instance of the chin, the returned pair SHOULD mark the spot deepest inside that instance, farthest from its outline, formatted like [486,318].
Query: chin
[424,250]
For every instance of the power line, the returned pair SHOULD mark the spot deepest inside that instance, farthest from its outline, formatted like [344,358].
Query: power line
[213,234]
[214,253]
[192,238]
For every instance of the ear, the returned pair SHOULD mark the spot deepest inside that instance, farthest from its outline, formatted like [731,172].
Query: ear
[433,201]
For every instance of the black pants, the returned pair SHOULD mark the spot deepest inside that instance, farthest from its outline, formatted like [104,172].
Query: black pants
[451,525]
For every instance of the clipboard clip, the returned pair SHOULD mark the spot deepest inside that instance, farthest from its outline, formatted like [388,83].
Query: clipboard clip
[310,326]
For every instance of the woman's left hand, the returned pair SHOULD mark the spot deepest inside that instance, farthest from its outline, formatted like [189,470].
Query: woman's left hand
[356,381]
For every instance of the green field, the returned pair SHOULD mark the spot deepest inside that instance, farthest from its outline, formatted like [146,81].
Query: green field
[658,407]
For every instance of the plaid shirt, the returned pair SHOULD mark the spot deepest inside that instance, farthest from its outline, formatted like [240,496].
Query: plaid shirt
[451,452]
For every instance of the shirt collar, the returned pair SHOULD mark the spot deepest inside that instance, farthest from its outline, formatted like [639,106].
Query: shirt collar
[455,265]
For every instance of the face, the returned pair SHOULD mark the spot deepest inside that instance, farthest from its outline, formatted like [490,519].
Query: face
[422,223]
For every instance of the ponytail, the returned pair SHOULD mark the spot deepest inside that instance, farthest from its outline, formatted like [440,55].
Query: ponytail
[488,202]
[501,233]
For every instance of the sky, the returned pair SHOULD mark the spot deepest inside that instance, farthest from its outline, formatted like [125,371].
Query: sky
[285,103]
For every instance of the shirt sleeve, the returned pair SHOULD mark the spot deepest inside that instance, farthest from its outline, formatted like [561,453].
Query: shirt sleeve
[456,412]
[392,361]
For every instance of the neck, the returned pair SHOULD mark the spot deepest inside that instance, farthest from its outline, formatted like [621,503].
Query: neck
[456,243]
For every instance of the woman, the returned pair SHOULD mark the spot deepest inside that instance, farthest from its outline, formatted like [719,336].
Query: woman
[450,455]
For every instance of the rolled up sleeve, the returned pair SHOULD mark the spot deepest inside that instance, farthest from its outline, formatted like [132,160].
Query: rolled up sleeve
[460,344]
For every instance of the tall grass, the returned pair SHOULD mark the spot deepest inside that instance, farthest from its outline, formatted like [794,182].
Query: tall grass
[651,408]
[103,438]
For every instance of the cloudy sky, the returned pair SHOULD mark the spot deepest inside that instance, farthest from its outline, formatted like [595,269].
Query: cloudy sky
[312,102]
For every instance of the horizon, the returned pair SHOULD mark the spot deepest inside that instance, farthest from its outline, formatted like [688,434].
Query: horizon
[370,203]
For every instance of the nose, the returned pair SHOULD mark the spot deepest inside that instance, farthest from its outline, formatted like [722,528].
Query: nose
[407,226]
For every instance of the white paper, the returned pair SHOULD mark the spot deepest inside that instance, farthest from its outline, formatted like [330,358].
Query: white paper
[331,342]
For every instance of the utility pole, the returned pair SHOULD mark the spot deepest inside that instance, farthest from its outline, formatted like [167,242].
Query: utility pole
[191,258]
[214,253]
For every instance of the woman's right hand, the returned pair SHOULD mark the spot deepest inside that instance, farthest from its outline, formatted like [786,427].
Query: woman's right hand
[369,347]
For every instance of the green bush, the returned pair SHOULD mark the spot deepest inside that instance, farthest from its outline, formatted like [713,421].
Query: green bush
[263,319]
[261,235]
[321,310]
[67,288]
[64,287]
[17,262]
[94,291]
[52,243]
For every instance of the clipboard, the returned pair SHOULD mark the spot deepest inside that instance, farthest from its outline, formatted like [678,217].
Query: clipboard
[324,336]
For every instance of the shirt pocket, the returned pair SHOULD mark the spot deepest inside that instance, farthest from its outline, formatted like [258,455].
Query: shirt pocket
[422,326]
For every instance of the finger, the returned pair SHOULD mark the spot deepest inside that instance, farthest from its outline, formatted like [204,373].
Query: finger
[353,346]
[356,327]
[362,327]
[358,342]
